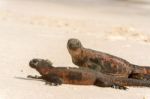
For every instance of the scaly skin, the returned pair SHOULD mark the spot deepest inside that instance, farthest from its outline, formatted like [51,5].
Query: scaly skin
[105,63]
[80,76]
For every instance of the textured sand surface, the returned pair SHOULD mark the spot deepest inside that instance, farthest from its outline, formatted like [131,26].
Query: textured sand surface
[41,28]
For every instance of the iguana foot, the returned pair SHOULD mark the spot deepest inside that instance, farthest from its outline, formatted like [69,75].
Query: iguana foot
[53,80]
[119,87]
[52,83]
[35,77]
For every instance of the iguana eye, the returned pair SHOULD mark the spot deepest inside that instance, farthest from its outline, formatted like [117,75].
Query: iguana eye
[35,62]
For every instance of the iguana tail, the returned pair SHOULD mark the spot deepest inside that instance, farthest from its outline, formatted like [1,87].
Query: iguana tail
[107,81]
[141,69]
[131,82]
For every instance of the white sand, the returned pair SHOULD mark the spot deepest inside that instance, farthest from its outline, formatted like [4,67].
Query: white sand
[41,28]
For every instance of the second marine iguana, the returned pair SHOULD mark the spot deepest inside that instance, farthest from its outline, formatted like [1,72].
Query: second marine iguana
[105,63]
[80,76]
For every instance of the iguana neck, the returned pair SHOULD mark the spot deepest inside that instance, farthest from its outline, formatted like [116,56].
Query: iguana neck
[43,70]
[78,59]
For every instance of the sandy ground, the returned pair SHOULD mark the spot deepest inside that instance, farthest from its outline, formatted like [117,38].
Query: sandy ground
[41,28]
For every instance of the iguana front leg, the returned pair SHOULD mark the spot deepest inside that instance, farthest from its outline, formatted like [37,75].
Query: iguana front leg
[52,80]
[34,77]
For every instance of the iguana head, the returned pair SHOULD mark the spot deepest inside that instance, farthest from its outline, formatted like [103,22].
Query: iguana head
[36,62]
[74,46]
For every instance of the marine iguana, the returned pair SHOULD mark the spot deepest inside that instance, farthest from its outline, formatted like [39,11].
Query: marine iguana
[80,76]
[105,63]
